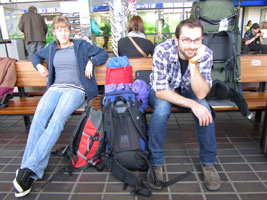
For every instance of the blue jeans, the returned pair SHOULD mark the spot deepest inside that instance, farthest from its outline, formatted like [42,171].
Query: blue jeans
[53,110]
[158,127]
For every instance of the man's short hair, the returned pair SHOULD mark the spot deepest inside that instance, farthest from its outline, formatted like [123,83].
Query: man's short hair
[255,26]
[191,23]
[32,8]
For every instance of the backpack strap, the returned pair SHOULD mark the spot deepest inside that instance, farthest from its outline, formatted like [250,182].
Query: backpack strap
[59,174]
[126,176]
[163,183]
[231,61]
[108,125]
[138,120]
[198,9]
[81,121]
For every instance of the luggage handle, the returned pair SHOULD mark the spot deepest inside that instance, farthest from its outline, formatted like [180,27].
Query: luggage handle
[120,98]
[216,22]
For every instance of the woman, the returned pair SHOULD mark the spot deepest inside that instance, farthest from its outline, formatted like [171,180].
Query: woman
[249,24]
[136,31]
[70,78]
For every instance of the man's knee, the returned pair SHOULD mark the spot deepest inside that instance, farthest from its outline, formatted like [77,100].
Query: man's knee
[204,103]
[162,108]
[245,49]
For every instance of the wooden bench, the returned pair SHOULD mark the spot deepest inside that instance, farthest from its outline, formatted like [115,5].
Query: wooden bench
[27,76]
[254,70]
[256,101]
[25,103]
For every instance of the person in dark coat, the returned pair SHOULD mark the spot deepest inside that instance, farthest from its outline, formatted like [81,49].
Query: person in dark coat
[34,28]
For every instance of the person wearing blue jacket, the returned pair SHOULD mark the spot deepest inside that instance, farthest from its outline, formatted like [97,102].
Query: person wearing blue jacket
[70,72]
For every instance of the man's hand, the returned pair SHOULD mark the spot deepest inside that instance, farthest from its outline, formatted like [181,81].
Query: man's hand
[89,70]
[200,53]
[42,70]
[203,114]
[259,35]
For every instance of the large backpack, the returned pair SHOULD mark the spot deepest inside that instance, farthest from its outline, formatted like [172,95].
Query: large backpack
[126,140]
[211,12]
[87,141]
[221,34]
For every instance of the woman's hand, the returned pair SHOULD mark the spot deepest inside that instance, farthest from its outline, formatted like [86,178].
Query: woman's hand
[89,70]
[42,70]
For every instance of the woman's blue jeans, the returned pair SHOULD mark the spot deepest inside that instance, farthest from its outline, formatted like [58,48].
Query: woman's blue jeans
[53,110]
[158,126]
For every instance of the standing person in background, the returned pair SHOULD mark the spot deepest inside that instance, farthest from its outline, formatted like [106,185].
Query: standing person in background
[34,28]
[136,31]
[253,40]
[249,24]
[181,76]
[106,31]
[70,75]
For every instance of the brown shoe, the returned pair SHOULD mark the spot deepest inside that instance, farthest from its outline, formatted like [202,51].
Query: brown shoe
[212,179]
[159,176]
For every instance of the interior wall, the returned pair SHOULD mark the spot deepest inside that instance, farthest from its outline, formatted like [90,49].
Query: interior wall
[24,6]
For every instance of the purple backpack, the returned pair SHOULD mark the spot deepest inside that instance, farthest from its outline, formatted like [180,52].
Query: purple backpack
[141,88]
[117,87]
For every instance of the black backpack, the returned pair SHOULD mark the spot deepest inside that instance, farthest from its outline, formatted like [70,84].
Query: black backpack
[126,140]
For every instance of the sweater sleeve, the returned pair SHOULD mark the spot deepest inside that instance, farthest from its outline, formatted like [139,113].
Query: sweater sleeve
[97,55]
[21,24]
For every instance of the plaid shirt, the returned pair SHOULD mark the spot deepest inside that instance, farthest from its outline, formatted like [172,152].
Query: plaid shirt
[166,70]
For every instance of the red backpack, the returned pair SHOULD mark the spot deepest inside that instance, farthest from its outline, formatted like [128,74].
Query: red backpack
[86,144]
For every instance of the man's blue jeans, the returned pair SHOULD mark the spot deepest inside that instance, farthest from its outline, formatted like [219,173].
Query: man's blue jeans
[53,110]
[158,126]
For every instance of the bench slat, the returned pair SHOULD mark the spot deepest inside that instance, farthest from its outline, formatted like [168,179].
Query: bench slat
[28,76]
[255,101]
[253,68]
[24,106]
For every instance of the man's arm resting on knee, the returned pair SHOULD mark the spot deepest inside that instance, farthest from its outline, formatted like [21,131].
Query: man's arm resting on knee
[200,111]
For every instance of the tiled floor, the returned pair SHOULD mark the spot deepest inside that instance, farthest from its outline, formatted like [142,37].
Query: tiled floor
[241,164]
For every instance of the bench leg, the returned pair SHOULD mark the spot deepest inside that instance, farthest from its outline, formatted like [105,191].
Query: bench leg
[146,123]
[27,121]
[258,116]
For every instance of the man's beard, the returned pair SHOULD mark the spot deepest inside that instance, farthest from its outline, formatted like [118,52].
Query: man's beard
[183,52]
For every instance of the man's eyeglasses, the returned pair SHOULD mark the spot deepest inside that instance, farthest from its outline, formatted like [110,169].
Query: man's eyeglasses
[189,41]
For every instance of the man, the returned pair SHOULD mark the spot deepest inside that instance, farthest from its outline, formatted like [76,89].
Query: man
[34,28]
[181,75]
[253,40]
[106,31]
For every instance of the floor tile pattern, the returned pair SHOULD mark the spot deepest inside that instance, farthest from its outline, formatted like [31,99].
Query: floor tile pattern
[240,163]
